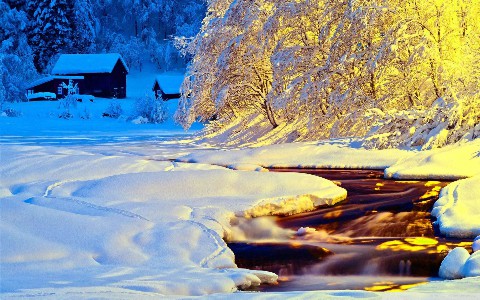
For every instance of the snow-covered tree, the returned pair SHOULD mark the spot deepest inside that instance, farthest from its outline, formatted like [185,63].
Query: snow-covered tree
[51,29]
[333,68]
[84,33]
[234,77]
[16,58]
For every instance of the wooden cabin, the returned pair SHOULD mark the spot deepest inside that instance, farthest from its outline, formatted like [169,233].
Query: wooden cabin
[105,75]
[167,87]
[53,85]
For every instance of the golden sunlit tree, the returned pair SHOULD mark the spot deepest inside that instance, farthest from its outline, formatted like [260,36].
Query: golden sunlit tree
[402,72]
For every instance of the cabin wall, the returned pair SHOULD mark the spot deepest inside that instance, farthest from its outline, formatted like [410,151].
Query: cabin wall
[119,80]
[52,87]
[107,85]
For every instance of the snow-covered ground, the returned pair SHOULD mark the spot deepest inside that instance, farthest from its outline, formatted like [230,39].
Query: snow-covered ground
[104,208]
[109,215]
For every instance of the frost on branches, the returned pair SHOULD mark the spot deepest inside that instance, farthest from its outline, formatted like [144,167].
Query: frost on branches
[402,72]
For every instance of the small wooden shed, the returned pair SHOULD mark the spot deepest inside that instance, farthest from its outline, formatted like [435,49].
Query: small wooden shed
[167,86]
[105,75]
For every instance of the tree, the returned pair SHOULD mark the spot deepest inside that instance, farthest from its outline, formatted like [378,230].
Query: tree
[51,29]
[235,78]
[334,68]
[84,33]
[16,58]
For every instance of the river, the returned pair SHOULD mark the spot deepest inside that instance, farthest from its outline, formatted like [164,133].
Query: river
[381,238]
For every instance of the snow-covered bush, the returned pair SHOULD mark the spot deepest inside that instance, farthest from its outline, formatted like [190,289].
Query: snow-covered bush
[10,112]
[69,101]
[85,114]
[445,122]
[151,109]
[114,110]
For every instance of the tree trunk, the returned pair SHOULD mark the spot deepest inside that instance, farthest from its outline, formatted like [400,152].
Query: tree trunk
[270,114]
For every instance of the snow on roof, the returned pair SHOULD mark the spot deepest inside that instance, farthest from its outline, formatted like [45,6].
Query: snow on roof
[50,78]
[170,83]
[87,63]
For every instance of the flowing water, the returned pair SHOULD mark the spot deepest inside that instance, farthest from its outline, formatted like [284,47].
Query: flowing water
[381,238]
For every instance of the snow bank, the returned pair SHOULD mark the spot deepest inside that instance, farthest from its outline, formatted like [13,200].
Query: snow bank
[471,268]
[458,208]
[467,288]
[460,264]
[451,162]
[251,194]
[452,265]
[125,220]
[326,154]
[476,244]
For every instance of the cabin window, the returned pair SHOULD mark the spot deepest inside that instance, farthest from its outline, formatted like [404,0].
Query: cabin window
[30,92]
[159,93]
[60,90]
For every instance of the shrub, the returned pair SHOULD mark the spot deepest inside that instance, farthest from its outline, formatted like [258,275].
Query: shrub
[114,110]
[10,112]
[150,108]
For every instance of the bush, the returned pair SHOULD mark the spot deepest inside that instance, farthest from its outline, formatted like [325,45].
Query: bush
[70,100]
[114,110]
[10,112]
[150,108]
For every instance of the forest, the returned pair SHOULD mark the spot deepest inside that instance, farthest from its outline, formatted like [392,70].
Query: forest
[402,73]
[35,32]
[399,73]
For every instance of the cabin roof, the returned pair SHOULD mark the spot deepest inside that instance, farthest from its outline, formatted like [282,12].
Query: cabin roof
[50,78]
[169,83]
[87,63]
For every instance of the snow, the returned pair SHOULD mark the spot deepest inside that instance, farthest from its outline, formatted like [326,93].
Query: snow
[458,208]
[451,267]
[341,153]
[450,163]
[42,95]
[305,230]
[460,264]
[450,289]
[86,217]
[476,244]
[103,208]
[170,83]
[87,63]
[50,78]
[96,205]
[471,268]
[70,214]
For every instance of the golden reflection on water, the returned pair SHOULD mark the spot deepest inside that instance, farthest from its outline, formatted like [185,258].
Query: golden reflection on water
[415,244]
[422,241]
[432,183]
[434,192]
